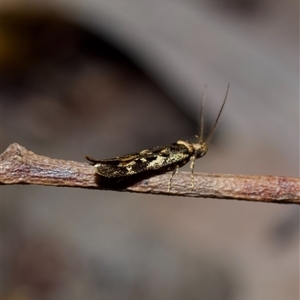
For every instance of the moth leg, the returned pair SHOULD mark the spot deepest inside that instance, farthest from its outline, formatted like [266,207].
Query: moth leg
[171,177]
[193,158]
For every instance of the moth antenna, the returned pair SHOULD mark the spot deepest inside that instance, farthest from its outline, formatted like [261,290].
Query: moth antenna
[202,115]
[218,117]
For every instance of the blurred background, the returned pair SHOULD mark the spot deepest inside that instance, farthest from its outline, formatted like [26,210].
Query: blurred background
[109,77]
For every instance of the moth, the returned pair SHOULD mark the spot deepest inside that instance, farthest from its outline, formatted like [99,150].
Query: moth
[161,158]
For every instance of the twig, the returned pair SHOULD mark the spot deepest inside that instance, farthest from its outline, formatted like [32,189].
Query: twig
[21,166]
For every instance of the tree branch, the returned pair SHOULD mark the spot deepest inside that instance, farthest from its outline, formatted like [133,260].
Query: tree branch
[21,166]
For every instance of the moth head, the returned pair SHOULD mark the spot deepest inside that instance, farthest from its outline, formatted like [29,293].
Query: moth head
[200,149]
[203,144]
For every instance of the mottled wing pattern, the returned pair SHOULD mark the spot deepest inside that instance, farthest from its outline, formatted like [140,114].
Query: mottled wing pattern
[161,157]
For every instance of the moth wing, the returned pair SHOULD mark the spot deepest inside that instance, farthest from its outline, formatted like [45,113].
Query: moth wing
[113,160]
[127,157]
[161,157]
[126,165]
